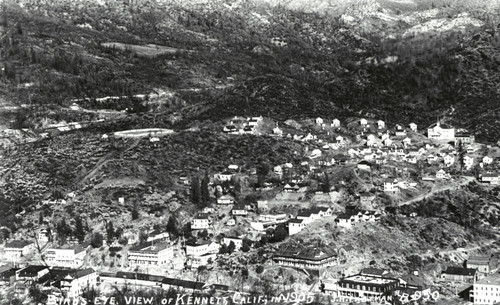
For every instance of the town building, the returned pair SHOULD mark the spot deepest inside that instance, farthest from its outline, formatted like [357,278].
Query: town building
[158,235]
[295,226]
[459,274]
[440,131]
[15,249]
[239,210]
[299,256]
[486,291]
[201,221]
[150,254]
[31,273]
[72,256]
[238,242]
[201,248]
[78,281]
[485,264]
[364,286]
[491,178]
[464,138]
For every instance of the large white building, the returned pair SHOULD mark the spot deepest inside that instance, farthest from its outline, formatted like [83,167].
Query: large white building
[75,283]
[440,131]
[15,249]
[487,290]
[151,254]
[72,257]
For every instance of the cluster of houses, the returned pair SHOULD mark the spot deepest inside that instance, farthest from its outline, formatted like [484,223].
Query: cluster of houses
[70,281]
[240,125]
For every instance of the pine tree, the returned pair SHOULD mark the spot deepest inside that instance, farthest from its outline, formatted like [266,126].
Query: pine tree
[195,191]
[110,232]
[205,194]
[79,231]
[172,225]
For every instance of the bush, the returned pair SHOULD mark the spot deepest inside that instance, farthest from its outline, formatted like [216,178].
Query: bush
[259,269]
[97,240]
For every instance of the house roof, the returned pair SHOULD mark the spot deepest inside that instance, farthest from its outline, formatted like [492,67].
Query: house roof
[183,283]
[18,244]
[460,271]
[201,216]
[295,220]
[493,279]
[31,270]
[479,260]
[149,247]
[374,271]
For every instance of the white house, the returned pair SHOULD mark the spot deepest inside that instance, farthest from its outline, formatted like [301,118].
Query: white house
[225,199]
[277,131]
[16,249]
[319,121]
[492,178]
[363,122]
[277,170]
[339,139]
[380,124]
[406,142]
[448,160]
[487,160]
[391,186]
[238,242]
[295,226]
[315,153]
[413,127]
[239,210]
[225,176]
[388,142]
[468,162]
[441,174]
[440,131]
[335,123]
[200,222]
[75,283]
[202,248]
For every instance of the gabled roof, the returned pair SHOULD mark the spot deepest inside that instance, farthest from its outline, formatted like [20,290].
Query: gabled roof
[31,270]
[479,260]
[460,271]
[374,272]
[18,244]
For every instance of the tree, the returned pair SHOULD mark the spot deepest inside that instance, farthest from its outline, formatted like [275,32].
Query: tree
[461,155]
[195,191]
[135,213]
[79,232]
[259,269]
[110,232]
[231,247]
[262,170]
[246,245]
[97,240]
[63,230]
[279,234]
[205,194]
[172,226]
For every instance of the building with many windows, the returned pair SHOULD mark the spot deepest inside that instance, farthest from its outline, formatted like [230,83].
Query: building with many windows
[150,254]
[486,291]
[72,256]
[365,286]
[303,257]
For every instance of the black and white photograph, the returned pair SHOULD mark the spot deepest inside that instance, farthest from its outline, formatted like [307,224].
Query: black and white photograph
[249,152]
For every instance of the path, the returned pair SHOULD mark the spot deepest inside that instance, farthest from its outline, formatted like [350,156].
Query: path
[105,159]
[467,180]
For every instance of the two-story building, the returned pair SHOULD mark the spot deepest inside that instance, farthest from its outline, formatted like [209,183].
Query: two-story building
[150,254]
[486,291]
[15,249]
[71,256]
[201,222]
[78,281]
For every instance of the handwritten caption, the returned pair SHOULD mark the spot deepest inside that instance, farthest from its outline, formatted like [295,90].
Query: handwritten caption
[241,299]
